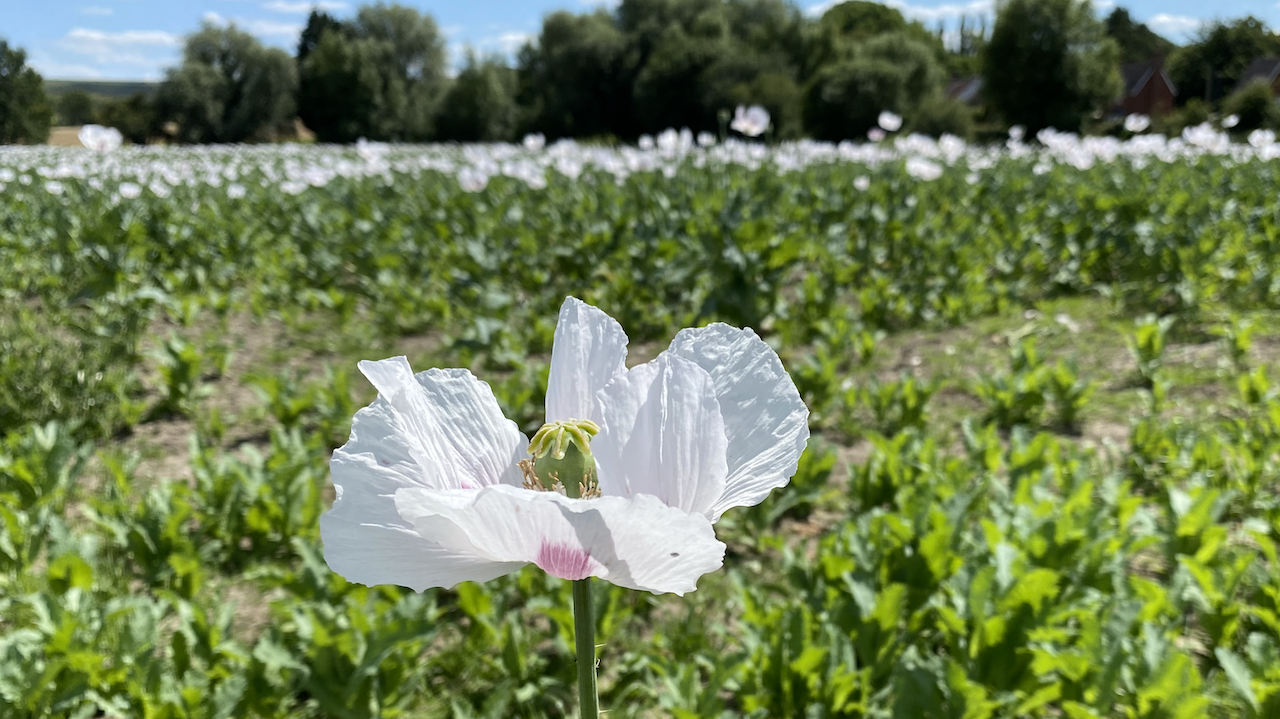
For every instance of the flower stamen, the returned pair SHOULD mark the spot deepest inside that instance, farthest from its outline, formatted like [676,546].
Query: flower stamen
[563,450]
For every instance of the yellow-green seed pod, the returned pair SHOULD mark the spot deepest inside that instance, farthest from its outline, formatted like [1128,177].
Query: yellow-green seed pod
[562,458]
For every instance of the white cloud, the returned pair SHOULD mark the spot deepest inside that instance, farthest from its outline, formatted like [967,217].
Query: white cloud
[97,10]
[304,6]
[507,42]
[272,28]
[149,49]
[1101,5]
[1176,25]
[124,38]
[264,28]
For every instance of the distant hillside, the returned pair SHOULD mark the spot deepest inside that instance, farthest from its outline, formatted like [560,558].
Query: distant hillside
[101,88]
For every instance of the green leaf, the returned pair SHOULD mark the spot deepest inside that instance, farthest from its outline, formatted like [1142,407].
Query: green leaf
[1238,674]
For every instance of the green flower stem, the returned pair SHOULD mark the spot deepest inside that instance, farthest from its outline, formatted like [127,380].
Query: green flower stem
[584,629]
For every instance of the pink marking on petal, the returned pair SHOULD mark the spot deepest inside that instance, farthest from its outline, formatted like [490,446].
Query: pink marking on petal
[563,560]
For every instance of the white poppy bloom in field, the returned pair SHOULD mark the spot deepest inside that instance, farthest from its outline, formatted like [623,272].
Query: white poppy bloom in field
[1017,132]
[534,142]
[99,138]
[1260,139]
[633,467]
[372,152]
[922,169]
[875,134]
[889,121]
[1230,121]
[750,121]
[472,179]
[1136,123]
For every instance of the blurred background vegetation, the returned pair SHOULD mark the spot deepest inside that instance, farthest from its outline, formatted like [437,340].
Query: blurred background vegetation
[612,75]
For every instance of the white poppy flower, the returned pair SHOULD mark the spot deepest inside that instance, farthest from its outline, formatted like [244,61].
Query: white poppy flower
[99,138]
[923,169]
[875,134]
[435,486]
[1136,123]
[1262,138]
[889,121]
[750,121]
[1230,121]
[372,152]
[1017,132]
[534,142]
[472,179]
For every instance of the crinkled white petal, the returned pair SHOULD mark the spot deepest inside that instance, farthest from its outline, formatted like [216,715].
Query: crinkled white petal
[662,434]
[371,550]
[638,543]
[766,422]
[446,421]
[442,430]
[590,348]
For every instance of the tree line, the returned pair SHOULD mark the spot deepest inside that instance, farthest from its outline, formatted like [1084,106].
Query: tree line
[646,65]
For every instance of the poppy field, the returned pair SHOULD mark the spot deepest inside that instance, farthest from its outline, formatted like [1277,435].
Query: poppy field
[1043,478]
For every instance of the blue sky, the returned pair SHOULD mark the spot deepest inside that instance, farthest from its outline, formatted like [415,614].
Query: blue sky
[137,39]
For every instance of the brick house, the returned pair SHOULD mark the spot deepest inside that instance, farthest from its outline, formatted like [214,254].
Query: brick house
[1267,68]
[967,90]
[1147,89]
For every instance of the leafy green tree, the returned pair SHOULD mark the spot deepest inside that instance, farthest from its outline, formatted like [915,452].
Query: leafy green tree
[1254,104]
[936,116]
[669,89]
[1211,65]
[772,28]
[575,81]
[229,88]
[702,57]
[480,105]
[134,116]
[964,58]
[25,112]
[318,23]
[1137,42]
[1194,112]
[837,34]
[654,64]
[339,90]
[380,76]
[888,72]
[1049,64]
[861,19]
[75,108]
